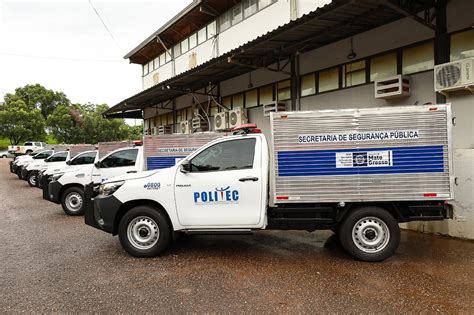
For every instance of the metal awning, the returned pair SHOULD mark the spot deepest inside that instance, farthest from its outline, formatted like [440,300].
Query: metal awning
[335,21]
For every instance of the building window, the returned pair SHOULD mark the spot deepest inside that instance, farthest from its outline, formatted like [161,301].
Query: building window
[236,14]
[193,41]
[202,35]
[225,21]
[266,95]
[177,50]
[328,80]
[250,7]
[418,58]
[211,29]
[384,66]
[238,100]
[284,90]
[145,69]
[251,98]
[184,46]
[462,45]
[214,109]
[354,73]
[227,102]
[162,59]
[308,84]
[156,63]
[264,3]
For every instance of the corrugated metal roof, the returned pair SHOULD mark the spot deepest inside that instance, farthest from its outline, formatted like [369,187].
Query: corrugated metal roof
[335,21]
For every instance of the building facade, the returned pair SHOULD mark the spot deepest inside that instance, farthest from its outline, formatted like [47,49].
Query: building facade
[333,67]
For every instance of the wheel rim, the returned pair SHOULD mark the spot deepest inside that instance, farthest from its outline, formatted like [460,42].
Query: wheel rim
[370,234]
[74,201]
[143,232]
[33,180]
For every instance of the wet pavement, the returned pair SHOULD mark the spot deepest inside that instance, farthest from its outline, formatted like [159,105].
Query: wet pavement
[51,262]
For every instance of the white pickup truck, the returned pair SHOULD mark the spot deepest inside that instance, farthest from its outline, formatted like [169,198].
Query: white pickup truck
[67,186]
[31,170]
[356,172]
[23,161]
[26,148]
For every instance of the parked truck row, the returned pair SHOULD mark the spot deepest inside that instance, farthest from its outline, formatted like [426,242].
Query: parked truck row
[357,172]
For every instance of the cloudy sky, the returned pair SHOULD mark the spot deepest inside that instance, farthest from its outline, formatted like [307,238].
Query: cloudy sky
[64,46]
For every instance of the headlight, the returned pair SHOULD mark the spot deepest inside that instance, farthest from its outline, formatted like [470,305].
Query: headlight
[56,176]
[110,188]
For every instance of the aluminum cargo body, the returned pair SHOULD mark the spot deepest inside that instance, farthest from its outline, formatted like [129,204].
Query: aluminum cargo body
[399,153]
[162,151]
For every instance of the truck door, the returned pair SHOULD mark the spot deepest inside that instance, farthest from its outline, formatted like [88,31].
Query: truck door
[223,187]
[115,164]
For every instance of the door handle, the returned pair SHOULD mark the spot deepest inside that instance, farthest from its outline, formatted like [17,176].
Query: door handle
[244,179]
[129,172]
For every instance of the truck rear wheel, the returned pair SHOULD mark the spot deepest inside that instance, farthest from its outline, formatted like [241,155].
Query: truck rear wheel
[72,201]
[32,179]
[144,232]
[370,234]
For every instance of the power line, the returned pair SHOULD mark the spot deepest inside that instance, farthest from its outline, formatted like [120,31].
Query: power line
[58,58]
[105,26]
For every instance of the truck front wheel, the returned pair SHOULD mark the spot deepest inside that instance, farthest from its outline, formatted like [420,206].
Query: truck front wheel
[370,234]
[144,232]
[32,179]
[72,201]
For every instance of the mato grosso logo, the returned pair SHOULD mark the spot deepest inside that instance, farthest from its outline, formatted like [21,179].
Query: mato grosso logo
[218,195]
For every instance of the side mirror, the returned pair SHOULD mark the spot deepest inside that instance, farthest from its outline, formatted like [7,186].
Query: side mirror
[68,162]
[185,167]
[97,164]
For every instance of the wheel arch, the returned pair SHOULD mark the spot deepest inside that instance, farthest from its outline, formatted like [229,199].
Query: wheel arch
[63,189]
[125,207]
[391,207]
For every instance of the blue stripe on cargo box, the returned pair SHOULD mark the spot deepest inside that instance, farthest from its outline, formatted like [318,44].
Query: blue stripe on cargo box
[420,159]
[159,162]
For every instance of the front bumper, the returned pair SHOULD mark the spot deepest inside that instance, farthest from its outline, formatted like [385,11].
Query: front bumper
[44,184]
[12,167]
[24,173]
[100,211]
[54,189]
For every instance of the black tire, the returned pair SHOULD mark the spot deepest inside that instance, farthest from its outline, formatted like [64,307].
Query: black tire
[18,172]
[4,156]
[155,227]
[32,179]
[72,201]
[28,152]
[376,236]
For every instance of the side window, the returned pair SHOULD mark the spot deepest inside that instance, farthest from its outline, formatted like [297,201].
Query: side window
[60,157]
[28,143]
[85,158]
[225,156]
[43,155]
[38,144]
[120,159]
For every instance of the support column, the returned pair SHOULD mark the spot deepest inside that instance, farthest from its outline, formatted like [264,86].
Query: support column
[295,82]
[175,116]
[442,50]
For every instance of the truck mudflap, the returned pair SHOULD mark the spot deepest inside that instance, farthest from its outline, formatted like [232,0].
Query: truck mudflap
[100,211]
[44,184]
[11,167]
[24,173]
[54,187]
[89,216]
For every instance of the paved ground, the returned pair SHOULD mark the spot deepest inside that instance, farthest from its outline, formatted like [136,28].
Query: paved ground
[50,262]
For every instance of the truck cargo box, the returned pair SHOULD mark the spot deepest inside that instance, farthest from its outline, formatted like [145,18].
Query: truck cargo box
[397,153]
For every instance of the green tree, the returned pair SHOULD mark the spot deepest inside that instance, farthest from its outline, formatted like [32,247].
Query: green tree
[135,132]
[37,96]
[19,122]
[65,124]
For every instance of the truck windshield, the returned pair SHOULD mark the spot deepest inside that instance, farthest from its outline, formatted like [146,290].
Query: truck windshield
[84,158]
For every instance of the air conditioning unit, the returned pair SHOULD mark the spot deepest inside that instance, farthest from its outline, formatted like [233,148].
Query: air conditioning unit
[273,108]
[199,124]
[221,121]
[148,132]
[455,75]
[185,127]
[154,130]
[392,87]
[237,117]
[164,130]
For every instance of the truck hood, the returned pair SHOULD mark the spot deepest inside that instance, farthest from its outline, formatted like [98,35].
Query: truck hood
[131,176]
